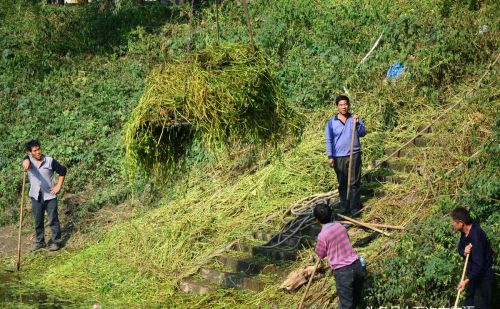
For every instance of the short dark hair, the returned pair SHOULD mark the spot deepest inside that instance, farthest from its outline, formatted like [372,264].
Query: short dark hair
[323,213]
[461,214]
[33,143]
[341,98]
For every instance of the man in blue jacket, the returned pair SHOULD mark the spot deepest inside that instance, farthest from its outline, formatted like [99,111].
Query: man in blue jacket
[473,240]
[338,143]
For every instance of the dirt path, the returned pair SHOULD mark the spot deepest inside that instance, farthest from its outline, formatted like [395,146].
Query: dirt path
[9,237]
[74,234]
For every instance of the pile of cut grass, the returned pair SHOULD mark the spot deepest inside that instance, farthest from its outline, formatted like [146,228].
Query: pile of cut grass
[218,96]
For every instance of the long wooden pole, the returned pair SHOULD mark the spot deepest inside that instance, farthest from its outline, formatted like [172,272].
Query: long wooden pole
[349,173]
[395,227]
[364,224]
[18,264]
[191,30]
[249,25]
[309,284]
[217,4]
[461,279]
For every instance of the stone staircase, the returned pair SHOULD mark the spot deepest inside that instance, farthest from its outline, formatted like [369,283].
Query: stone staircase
[266,258]
[250,264]
[397,168]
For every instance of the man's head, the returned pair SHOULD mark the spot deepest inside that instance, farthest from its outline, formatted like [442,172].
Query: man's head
[342,102]
[323,213]
[33,148]
[460,218]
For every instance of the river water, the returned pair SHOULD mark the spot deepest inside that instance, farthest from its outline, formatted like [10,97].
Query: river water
[16,294]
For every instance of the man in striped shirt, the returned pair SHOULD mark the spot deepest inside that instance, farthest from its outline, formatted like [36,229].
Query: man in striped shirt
[333,242]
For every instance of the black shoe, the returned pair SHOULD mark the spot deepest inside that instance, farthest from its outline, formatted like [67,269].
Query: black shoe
[54,247]
[38,247]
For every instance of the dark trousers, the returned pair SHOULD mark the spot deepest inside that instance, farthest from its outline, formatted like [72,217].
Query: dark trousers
[341,167]
[479,293]
[38,208]
[349,281]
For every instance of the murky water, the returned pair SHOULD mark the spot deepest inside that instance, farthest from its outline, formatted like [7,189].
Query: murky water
[15,294]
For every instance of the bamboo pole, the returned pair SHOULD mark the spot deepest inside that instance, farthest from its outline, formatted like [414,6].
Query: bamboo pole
[249,25]
[18,264]
[461,279]
[367,225]
[349,172]
[395,227]
[217,4]
[309,284]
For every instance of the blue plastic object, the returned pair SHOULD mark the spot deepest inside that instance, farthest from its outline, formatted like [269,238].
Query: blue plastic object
[362,261]
[395,70]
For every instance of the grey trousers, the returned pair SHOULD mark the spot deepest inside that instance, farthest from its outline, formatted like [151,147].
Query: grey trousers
[38,208]
[341,167]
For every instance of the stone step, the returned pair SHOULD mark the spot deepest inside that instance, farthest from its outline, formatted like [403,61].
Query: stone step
[262,235]
[196,286]
[366,191]
[242,247]
[251,266]
[371,177]
[407,152]
[275,270]
[420,141]
[277,253]
[365,199]
[245,265]
[400,152]
[365,240]
[311,230]
[397,179]
[400,166]
[298,241]
[232,280]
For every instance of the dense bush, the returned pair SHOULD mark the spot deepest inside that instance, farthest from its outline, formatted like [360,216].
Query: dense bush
[37,36]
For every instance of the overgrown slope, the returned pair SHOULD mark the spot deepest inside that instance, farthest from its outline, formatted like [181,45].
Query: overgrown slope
[79,96]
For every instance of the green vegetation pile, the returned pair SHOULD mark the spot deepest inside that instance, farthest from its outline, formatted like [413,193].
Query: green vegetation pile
[219,96]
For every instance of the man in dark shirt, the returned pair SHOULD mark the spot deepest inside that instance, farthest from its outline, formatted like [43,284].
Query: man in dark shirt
[43,192]
[473,241]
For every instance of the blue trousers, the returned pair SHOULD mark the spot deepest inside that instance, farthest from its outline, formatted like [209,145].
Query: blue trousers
[349,281]
[38,208]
